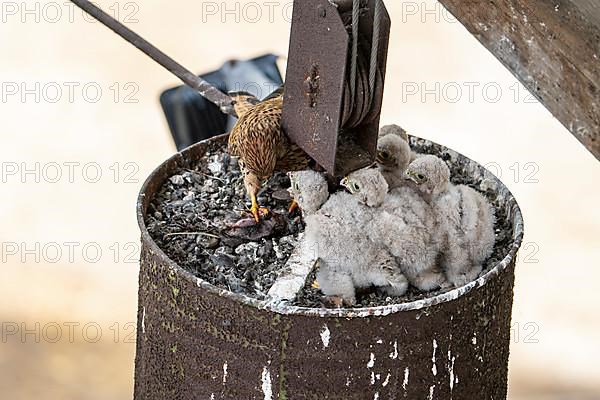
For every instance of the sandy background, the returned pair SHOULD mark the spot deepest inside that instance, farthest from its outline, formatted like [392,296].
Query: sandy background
[69,248]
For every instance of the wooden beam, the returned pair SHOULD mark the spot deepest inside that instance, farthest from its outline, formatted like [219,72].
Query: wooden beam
[552,47]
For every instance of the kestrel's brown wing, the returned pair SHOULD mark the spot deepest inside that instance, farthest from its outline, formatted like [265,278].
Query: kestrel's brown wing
[293,158]
[233,141]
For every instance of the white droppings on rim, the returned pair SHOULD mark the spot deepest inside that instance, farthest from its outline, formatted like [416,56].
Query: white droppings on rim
[371,362]
[406,375]
[372,378]
[394,354]
[376,397]
[212,396]
[143,319]
[431,389]
[451,371]
[474,340]
[387,380]
[266,384]
[224,373]
[325,336]
[434,367]
[297,269]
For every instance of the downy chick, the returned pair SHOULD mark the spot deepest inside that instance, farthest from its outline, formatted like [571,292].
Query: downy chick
[393,156]
[465,219]
[401,133]
[402,224]
[393,130]
[349,259]
[368,185]
[309,189]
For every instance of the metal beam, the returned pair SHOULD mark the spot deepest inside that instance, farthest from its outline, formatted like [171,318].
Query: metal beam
[552,47]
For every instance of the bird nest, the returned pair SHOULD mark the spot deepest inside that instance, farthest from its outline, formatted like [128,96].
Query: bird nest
[195,220]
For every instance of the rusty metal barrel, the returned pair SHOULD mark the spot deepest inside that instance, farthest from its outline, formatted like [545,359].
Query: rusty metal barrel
[197,341]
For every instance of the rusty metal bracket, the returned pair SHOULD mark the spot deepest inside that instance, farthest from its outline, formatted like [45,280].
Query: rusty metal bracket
[320,112]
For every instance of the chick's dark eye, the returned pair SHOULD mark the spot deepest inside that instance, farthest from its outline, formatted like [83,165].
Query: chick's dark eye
[421,177]
[356,187]
[385,154]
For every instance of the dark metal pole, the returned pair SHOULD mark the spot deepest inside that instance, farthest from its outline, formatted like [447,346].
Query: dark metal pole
[205,89]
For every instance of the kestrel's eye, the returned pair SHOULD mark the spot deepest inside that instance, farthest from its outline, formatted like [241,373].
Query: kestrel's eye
[355,187]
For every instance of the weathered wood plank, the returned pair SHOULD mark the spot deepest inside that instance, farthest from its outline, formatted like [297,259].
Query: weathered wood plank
[553,48]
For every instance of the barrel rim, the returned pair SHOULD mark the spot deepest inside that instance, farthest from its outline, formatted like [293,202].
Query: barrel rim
[455,294]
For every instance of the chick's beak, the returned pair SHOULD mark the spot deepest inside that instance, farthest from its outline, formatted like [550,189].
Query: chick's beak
[409,176]
[344,182]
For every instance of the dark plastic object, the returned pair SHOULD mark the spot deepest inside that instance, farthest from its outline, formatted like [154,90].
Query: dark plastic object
[192,118]
[196,341]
